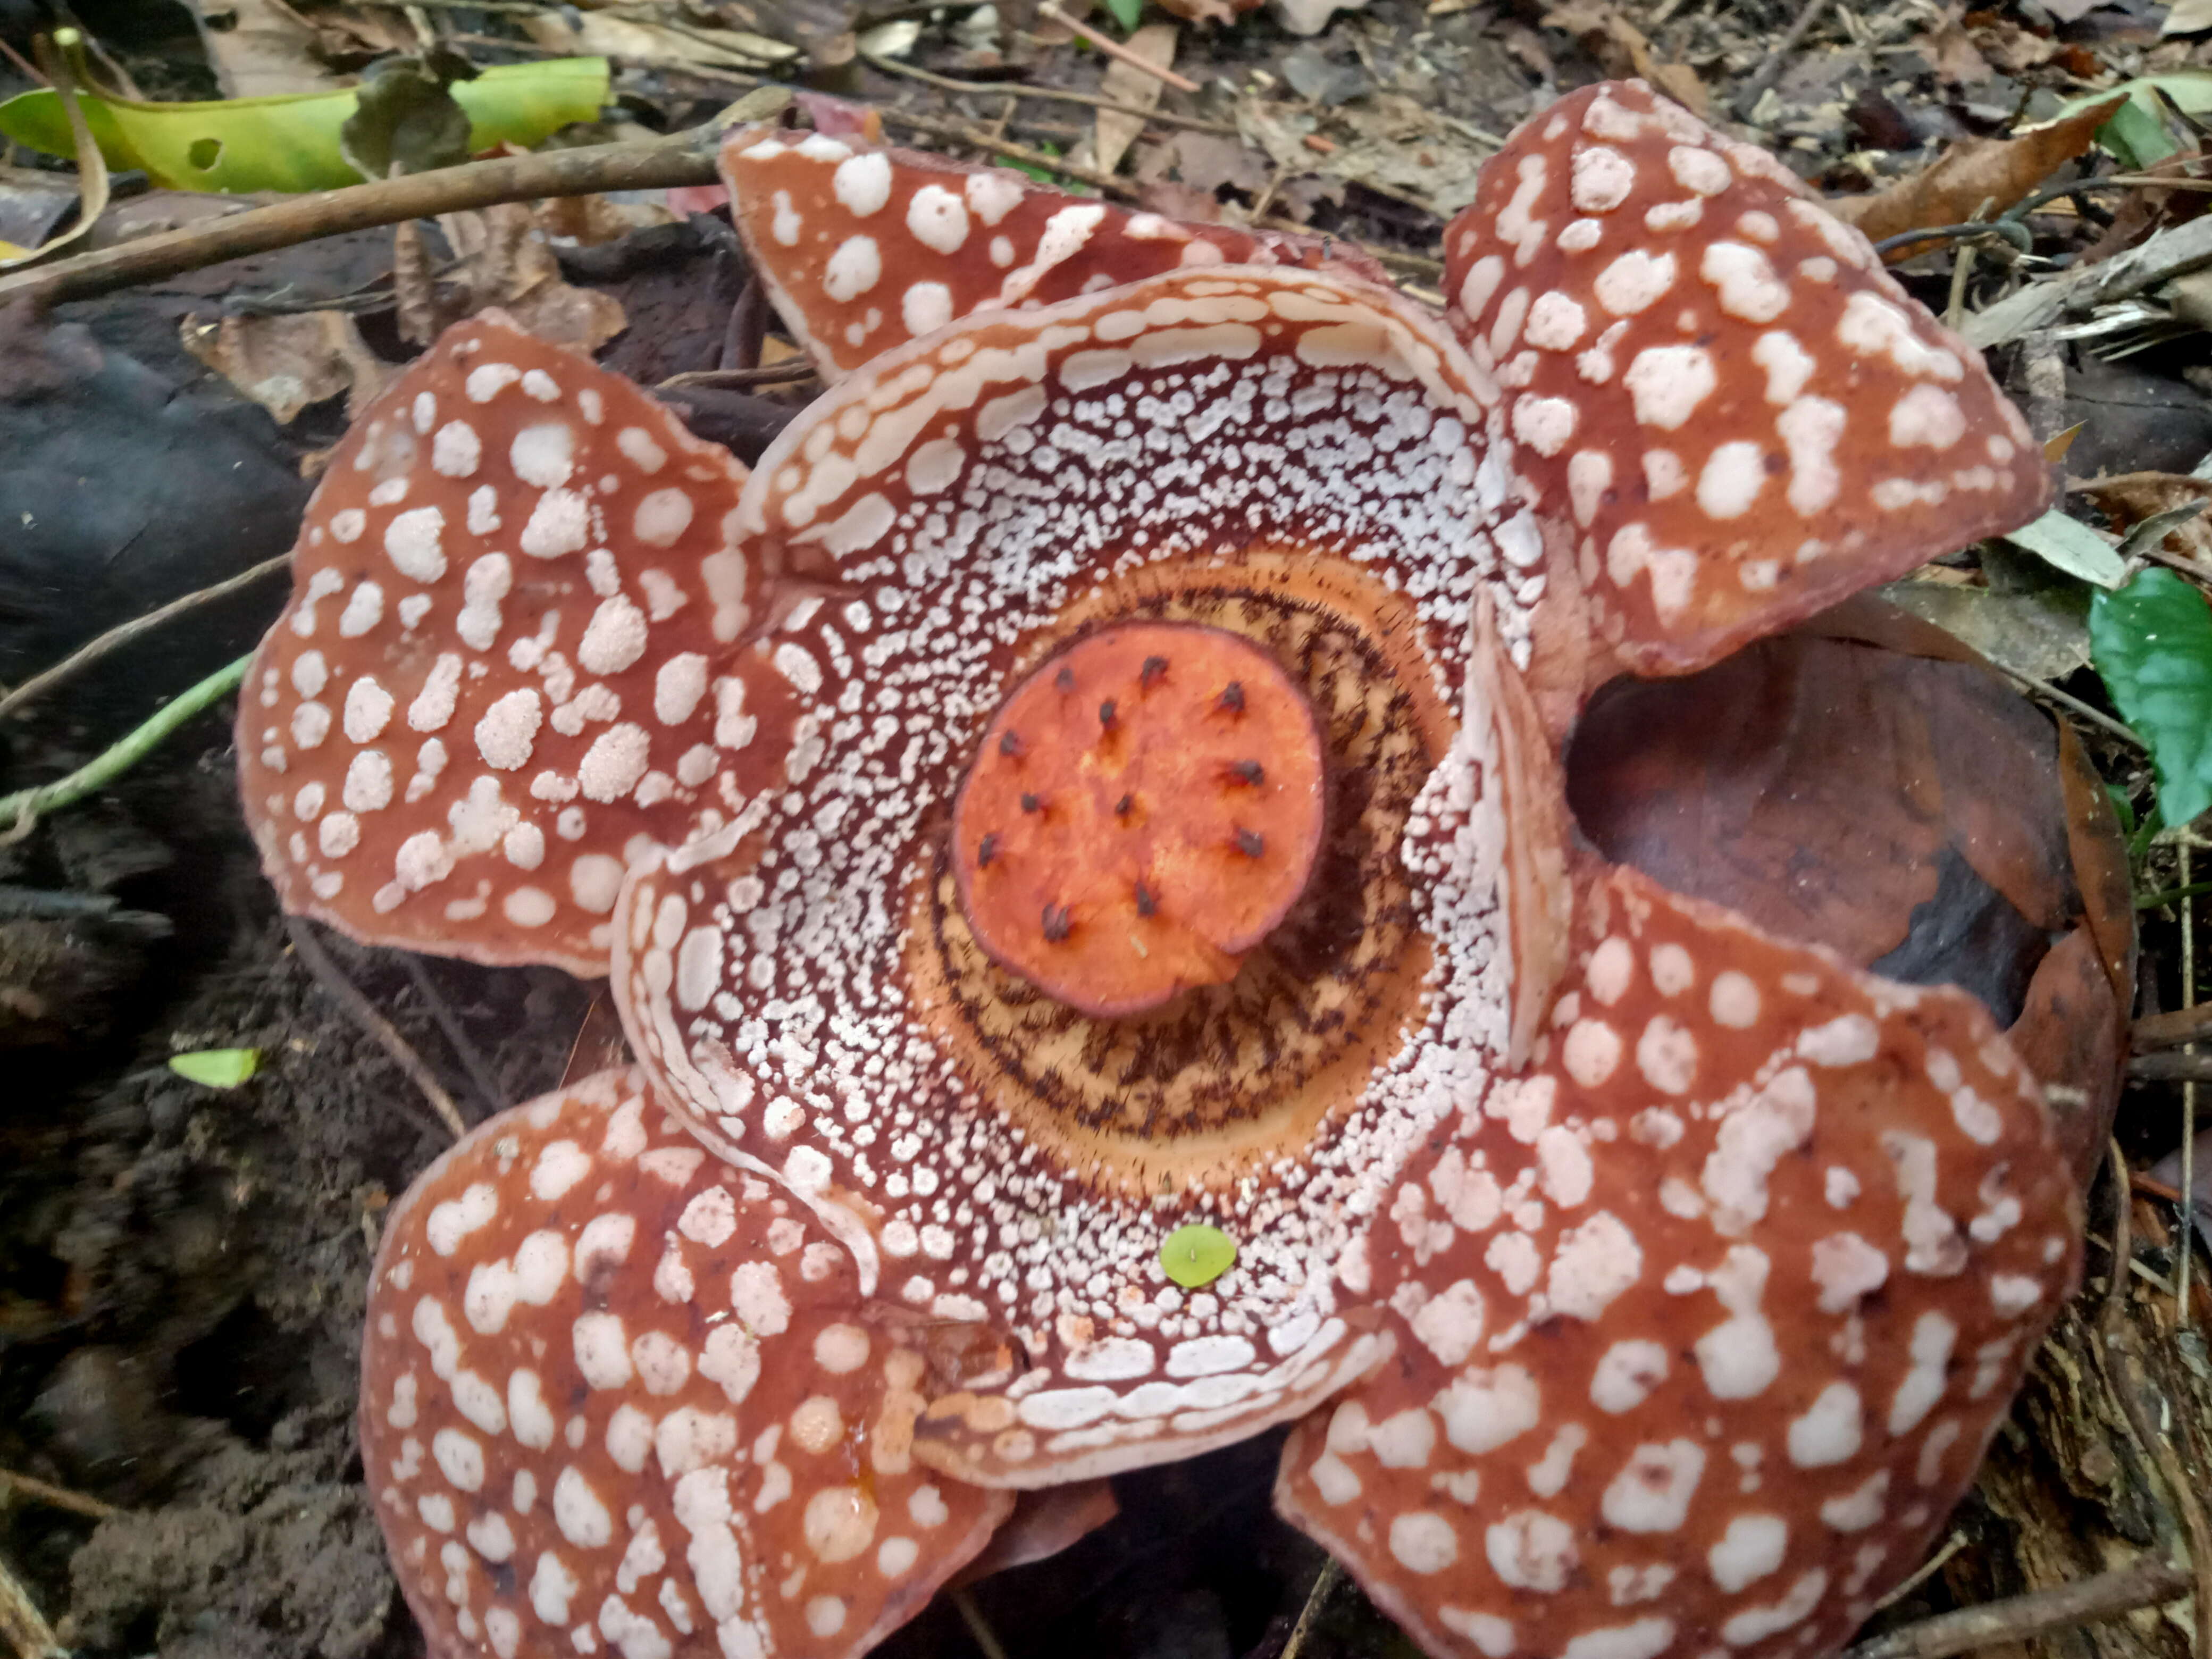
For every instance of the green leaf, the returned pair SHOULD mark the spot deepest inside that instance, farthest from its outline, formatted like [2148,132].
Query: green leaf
[2152,641]
[2137,132]
[1197,1255]
[217,1068]
[291,143]
[2073,547]
[1126,13]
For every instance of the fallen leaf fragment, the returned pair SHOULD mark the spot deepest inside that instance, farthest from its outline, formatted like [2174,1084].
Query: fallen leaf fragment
[285,364]
[1624,50]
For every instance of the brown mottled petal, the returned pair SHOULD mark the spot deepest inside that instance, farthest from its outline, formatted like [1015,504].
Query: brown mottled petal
[864,247]
[505,668]
[1284,454]
[1737,414]
[617,1397]
[1704,1322]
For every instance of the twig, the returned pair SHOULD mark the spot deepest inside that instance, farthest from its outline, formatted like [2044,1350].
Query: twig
[87,654]
[2131,1382]
[2171,1030]
[962,132]
[471,1058]
[1324,1586]
[13,1485]
[23,1626]
[1114,49]
[2182,1067]
[1018,89]
[2145,1584]
[19,811]
[978,1627]
[332,977]
[2160,900]
[1926,1570]
[738,380]
[1779,60]
[681,158]
[2074,705]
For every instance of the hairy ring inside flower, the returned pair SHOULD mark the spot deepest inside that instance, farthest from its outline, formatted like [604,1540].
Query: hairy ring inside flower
[1144,810]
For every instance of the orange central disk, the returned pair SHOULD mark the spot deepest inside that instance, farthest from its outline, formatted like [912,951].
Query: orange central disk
[1142,812]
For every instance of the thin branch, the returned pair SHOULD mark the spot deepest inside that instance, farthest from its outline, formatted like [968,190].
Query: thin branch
[87,654]
[681,158]
[331,978]
[2074,705]
[19,811]
[457,1035]
[23,1626]
[978,1625]
[1324,1586]
[2171,1030]
[963,132]
[1018,89]
[13,1485]
[1114,49]
[2145,1584]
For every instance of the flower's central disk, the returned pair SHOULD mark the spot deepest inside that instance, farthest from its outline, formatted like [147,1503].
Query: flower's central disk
[1142,812]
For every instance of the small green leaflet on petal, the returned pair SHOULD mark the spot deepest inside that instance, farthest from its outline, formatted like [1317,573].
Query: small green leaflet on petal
[2152,643]
[217,1068]
[1197,1255]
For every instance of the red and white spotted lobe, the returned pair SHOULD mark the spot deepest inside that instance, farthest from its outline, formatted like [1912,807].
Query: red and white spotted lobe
[508,665]
[617,1398]
[1737,414]
[1704,1322]
[864,247]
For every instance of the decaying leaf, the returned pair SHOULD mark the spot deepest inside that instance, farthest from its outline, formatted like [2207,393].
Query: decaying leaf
[405,117]
[1392,144]
[261,48]
[2031,634]
[285,364]
[1974,175]
[667,45]
[1624,50]
[1904,807]
[243,144]
[1112,132]
[507,262]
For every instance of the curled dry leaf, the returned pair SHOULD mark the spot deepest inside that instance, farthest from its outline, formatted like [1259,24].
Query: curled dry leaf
[1770,784]
[507,262]
[1976,175]
[285,364]
[2132,498]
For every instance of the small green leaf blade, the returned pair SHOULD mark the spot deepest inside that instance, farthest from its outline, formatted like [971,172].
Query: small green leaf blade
[217,1068]
[2071,546]
[2152,643]
[291,143]
[1197,1255]
[1127,13]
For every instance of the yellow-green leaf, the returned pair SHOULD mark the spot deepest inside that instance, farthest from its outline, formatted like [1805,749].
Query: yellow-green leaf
[291,143]
[1197,1255]
[217,1068]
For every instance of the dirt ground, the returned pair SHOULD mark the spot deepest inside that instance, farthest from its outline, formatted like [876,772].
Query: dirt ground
[182,1268]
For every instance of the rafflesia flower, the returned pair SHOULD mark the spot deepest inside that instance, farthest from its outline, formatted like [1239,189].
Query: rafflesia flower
[1079,841]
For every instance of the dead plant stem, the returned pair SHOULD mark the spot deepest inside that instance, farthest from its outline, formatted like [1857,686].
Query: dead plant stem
[682,158]
[87,654]
[13,1485]
[2188,1242]
[1114,49]
[964,133]
[331,978]
[2144,1583]
[1055,94]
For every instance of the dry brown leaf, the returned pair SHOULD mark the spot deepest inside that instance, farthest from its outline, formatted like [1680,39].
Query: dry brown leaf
[591,219]
[1625,49]
[1949,191]
[1957,61]
[286,363]
[2130,497]
[261,49]
[1113,132]
[596,35]
[507,262]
